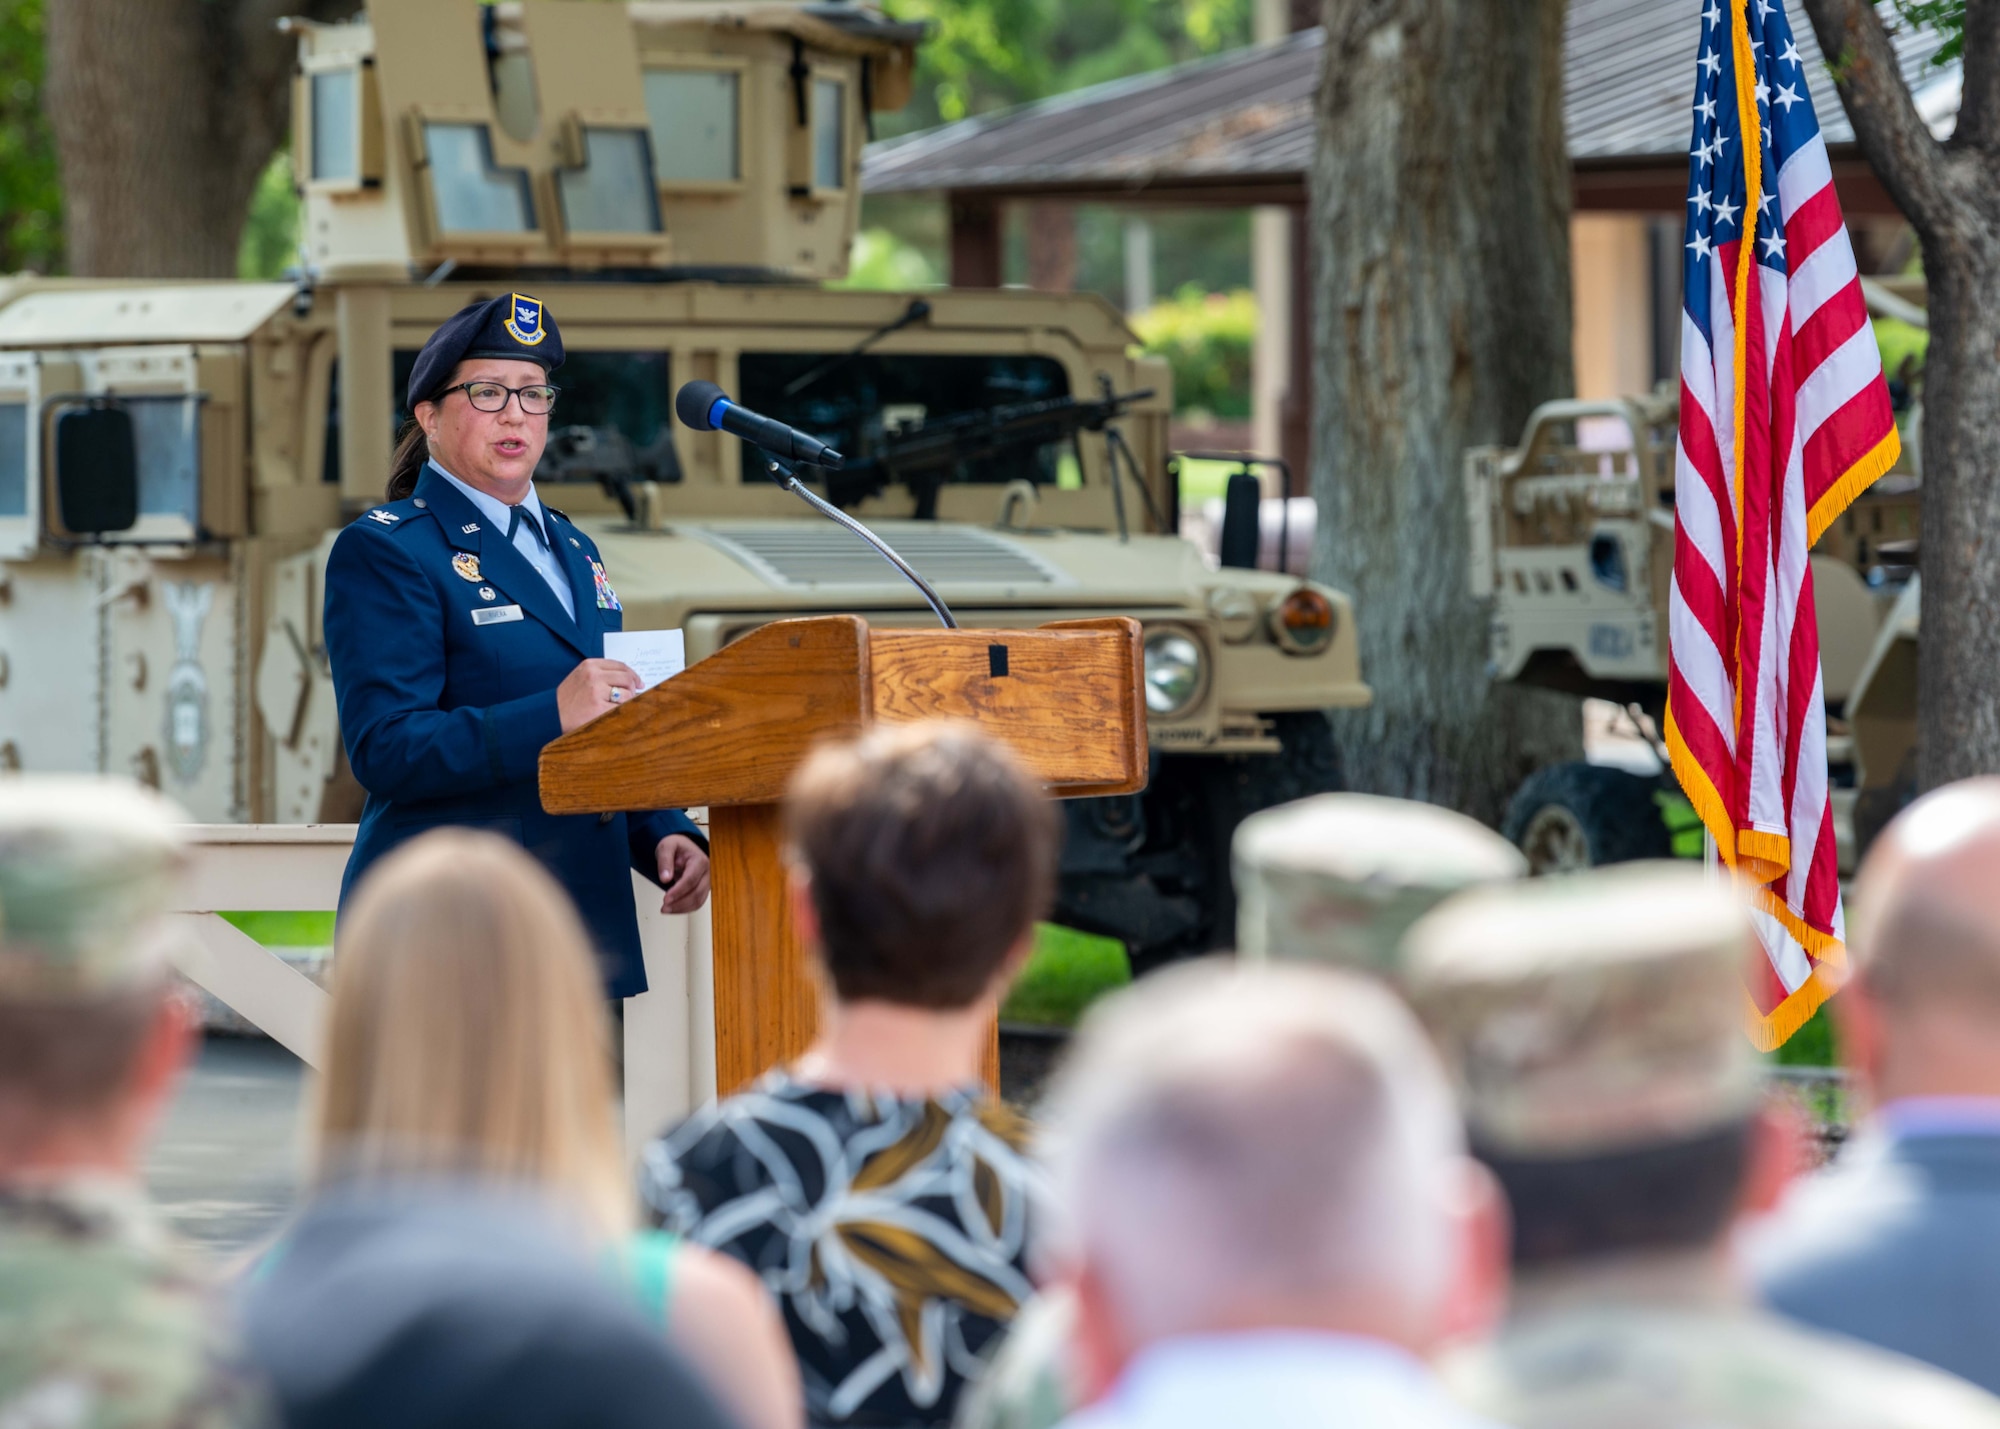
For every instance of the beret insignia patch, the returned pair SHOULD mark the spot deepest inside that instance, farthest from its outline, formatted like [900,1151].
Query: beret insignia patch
[524,320]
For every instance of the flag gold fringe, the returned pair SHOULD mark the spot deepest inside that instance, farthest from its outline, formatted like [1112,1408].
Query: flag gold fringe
[1771,1030]
[1700,790]
[1855,480]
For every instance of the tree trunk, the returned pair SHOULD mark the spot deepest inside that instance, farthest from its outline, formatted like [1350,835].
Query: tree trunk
[165,112]
[1951,195]
[1441,201]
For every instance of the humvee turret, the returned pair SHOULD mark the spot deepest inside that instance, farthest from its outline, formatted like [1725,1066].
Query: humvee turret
[1573,546]
[678,182]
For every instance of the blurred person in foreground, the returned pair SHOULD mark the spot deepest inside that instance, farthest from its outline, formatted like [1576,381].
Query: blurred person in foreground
[1594,1025]
[1268,1216]
[1337,880]
[875,1184]
[468,1253]
[1899,1242]
[99,1323]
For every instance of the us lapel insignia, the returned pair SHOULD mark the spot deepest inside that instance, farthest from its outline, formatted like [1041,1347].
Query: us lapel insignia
[607,598]
[467,565]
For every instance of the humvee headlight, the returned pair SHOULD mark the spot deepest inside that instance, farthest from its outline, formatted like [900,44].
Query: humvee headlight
[1302,623]
[1173,672]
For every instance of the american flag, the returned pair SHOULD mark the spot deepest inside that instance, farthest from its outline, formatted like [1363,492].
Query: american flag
[1784,419]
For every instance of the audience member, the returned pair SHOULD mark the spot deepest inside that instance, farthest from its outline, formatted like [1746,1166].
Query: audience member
[1339,878]
[99,1323]
[877,1187]
[1899,1243]
[1595,1027]
[468,1254]
[1267,1214]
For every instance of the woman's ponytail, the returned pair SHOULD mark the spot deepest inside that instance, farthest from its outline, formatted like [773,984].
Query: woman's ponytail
[412,451]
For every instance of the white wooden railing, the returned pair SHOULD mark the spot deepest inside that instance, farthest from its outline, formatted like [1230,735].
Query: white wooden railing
[669,1030]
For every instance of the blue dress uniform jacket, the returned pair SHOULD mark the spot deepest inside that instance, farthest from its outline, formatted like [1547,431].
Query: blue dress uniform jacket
[444,719]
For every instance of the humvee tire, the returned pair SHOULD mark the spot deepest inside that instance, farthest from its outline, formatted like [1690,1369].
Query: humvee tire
[1572,816]
[1152,869]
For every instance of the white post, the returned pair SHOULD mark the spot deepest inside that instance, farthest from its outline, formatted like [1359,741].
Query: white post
[1271,280]
[1138,265]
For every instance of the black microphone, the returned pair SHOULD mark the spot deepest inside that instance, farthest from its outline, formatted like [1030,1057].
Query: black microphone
[707,408]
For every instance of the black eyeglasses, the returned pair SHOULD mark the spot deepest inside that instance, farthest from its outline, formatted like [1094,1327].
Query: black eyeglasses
[537,400]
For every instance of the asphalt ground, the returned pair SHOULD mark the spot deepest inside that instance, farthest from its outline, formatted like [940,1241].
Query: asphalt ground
[225,1167]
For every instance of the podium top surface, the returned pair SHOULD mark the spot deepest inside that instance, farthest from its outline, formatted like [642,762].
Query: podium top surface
[1068,698]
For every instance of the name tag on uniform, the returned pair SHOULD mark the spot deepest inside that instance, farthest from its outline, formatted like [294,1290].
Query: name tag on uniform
[496,614]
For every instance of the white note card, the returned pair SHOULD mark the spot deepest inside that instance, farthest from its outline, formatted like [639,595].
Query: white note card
[656,654]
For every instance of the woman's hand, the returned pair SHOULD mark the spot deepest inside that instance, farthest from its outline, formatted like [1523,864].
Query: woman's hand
[594,688]
[683,873]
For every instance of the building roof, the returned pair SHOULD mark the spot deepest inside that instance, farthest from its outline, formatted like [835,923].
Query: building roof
[1245,119]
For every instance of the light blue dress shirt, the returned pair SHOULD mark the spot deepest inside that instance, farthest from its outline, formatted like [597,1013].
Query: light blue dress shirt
[1275,1379]
[542,558]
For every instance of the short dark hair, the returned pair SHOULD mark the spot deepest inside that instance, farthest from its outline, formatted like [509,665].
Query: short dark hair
[931,853]
[66,1062]
[1677,1195]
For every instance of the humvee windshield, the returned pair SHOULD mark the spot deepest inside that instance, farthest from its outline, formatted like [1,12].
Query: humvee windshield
[13,459]
[849,405]
[853,400]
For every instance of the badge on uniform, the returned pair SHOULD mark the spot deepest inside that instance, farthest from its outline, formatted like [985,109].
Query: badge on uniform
[524,320]
[387,518]
[467,565]
[607,598]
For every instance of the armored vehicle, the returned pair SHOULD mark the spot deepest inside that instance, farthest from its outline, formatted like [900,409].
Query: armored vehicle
[1573,546]
[677,181]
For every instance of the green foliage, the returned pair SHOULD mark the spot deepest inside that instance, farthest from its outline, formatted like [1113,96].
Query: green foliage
[1207,339]
[271,232]
[882,262]
[1897,341]
[987,54]
[31,233]
[1066,973]
[1947,17]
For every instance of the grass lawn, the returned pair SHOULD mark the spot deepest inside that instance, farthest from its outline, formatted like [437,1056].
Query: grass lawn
[285,930]
[1066,972]
[1203,480]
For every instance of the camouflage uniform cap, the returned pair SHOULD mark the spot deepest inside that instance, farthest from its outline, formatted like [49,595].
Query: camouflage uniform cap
[1338,878]
[1590,1013]
[86,867]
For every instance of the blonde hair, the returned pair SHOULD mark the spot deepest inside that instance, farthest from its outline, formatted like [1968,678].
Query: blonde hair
[468,1033]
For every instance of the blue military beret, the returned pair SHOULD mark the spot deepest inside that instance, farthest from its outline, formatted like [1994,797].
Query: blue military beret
[515,326]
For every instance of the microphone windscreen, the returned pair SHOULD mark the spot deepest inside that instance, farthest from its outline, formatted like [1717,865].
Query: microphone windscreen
[695,401]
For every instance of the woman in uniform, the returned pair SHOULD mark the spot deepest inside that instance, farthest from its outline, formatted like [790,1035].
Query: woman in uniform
[465,625]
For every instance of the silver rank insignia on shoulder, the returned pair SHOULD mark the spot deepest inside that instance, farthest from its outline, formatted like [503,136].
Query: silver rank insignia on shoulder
[469,527]
[387,518]
[576,543]
[467,565]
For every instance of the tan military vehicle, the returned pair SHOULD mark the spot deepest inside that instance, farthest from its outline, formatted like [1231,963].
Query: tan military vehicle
[1573,544]
[677,181]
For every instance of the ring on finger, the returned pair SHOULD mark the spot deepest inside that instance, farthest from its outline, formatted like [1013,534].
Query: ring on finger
[617,694]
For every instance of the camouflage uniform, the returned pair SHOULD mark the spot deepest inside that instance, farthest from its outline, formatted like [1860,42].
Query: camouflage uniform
[1600,1014]
[99,1325]
[1335,879]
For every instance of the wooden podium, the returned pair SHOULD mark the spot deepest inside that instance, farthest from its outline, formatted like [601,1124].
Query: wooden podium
[729,732]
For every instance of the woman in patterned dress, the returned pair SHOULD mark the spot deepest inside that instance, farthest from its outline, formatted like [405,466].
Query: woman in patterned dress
[876,1185]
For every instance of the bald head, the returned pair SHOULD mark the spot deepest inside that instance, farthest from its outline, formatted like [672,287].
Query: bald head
[1926,927]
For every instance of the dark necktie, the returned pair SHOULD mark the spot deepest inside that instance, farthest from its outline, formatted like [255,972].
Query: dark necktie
[522,514]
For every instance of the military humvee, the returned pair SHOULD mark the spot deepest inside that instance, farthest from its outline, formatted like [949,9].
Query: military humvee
[677,181]
[1573,544]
